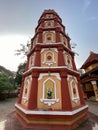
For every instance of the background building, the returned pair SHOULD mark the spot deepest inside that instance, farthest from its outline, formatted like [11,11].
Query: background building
[89,79]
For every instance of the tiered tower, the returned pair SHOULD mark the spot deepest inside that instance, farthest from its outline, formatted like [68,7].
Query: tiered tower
[51,95]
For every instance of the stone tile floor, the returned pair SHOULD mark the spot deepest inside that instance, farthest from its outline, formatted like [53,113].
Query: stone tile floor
[8,120]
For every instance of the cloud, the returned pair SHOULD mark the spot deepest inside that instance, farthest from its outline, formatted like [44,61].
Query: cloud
[91,18]
[87,3]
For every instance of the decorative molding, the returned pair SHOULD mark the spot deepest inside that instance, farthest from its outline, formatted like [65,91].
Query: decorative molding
[46,100]
[25,99]
[66,113]
[56,67]
[74,99]
[52,74]
[49,101]
[47,49]
[93,82]
[51,51]
[97,99]
[27,80]
[71,76]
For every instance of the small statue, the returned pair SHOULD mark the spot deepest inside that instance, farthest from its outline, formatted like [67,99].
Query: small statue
[49,93]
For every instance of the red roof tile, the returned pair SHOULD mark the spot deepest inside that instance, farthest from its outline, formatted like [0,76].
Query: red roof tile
[93,58]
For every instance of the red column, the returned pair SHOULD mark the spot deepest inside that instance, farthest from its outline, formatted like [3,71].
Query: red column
[40,40]
[37,58]
[60,56]
[27,65]
[58,35]
[69,42]
[73,63]
[32,102]
[66,101]
[21,90]
[80,92]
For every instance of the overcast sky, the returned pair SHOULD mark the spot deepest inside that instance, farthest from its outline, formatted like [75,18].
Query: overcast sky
[18,20]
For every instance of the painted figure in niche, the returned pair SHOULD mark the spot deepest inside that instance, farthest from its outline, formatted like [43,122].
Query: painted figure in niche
[49,93]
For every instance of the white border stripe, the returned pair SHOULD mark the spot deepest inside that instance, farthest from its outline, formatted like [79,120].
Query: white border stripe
[51,112]
[56,67]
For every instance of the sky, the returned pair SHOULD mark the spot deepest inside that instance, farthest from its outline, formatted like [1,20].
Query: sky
[19,18]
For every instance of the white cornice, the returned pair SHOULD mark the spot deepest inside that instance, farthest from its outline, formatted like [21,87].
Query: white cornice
[58,67]
[55,43]
[30,112]
[52,74]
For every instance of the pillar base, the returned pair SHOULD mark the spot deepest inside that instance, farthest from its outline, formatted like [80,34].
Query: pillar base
[54,120]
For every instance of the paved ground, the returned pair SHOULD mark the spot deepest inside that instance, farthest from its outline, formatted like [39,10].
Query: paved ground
[6,107]
[93,107]
[9,122]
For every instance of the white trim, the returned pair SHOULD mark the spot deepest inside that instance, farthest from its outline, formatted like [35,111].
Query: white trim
[49,67]
[25,99]
[97,99]
[71,76]
[93,82]
[52,74]
[45,58]
[47,49]
[74,99]
[50,112]
[56,43]
[49,101]
[51,51]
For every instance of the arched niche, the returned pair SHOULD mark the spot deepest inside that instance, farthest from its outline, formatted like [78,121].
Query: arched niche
[49,92]
[49,37]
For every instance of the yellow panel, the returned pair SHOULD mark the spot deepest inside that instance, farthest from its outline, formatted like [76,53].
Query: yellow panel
[57,105]
[70,91]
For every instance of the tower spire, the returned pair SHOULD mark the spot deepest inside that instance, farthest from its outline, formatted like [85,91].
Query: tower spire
[50,85]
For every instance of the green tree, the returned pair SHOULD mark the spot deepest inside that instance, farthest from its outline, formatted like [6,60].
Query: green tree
[23,49]
[5,85]
[21,69]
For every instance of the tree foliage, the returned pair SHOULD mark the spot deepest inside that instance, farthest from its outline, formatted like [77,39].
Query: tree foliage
[21,69]
[23,49]
[5,85]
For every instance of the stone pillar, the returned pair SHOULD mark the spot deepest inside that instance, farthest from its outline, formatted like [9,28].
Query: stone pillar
[58,35]
[60,56]
[40,39]
[37,58]
[27,65]
[32,102]
[80,91]
[66,101]
[21,90]
[95,89]
[73,63]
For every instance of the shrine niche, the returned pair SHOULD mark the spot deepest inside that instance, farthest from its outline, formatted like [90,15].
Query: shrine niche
[64,40]
[49,23]
[49,37]
[49,92]
[26,91]
[32,60]
[49,16]
[49,57]
[67,59]
[50,95]
[73,87]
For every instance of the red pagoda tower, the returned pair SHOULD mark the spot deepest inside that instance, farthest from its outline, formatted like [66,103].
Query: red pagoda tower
[51,96]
